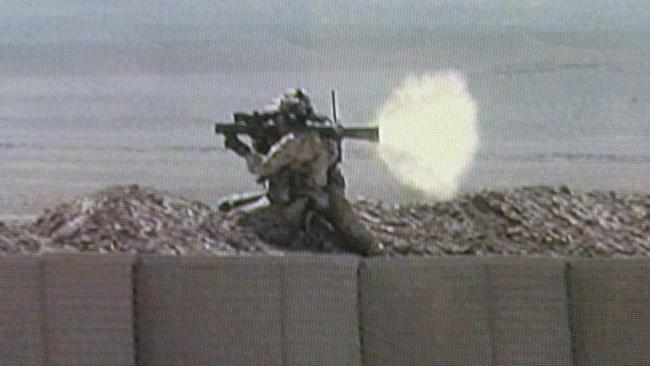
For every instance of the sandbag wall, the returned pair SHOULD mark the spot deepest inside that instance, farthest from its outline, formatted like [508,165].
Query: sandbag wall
[323,310]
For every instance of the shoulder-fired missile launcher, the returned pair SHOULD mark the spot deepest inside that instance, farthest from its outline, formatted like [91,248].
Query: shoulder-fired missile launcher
[261,127]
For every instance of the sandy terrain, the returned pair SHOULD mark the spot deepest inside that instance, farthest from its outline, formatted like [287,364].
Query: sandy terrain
[525,221]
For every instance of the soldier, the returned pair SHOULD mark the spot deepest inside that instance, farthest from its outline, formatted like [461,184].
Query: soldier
[301,169]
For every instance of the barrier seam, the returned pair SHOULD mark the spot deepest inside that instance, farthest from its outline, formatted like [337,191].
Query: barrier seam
[489,292]
[570,306]
[42,264]
[362,348]
[283,312]
[135,267]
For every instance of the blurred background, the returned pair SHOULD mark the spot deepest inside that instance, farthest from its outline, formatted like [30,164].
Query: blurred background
[94,93]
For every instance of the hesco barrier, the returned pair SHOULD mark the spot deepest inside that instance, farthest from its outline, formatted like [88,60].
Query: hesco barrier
[464,311]
[323,310]
[66,310]
[247,311]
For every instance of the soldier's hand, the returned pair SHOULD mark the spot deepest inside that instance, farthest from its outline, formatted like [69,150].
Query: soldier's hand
[233,143]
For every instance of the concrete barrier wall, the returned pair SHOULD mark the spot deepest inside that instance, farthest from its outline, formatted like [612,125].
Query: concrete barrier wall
[529,313]
[66,310]
[610,311]
[322,310]
[21,312]
[464,311]
[297,310]
[416,313]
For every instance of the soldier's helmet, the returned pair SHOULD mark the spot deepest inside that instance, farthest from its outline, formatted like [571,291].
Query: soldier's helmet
[296,105]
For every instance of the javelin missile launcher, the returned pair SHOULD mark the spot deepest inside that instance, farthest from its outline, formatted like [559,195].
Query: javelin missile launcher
[260,127]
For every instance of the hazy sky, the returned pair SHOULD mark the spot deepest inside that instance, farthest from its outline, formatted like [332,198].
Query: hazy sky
[73,21]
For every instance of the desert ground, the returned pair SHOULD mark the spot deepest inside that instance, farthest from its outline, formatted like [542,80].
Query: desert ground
[532,221]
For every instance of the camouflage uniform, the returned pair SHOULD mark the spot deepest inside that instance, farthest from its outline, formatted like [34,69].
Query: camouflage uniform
[302,167]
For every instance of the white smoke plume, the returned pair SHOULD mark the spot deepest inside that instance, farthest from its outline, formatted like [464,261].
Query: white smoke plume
[428,133]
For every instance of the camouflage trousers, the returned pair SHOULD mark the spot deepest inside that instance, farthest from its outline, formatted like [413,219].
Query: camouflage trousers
[338,212]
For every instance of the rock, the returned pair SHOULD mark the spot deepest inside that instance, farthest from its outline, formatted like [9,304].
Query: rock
[17,241]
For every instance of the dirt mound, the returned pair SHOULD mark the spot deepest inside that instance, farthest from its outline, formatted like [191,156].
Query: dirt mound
[523,221]
[140,220]
[16,241]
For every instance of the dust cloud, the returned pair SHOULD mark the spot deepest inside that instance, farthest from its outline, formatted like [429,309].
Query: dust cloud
[428,132]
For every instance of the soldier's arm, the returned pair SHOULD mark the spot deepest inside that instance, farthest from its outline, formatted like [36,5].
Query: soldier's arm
[233,143]
[289,150]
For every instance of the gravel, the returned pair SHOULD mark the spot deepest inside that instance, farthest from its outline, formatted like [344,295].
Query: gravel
[531,221]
